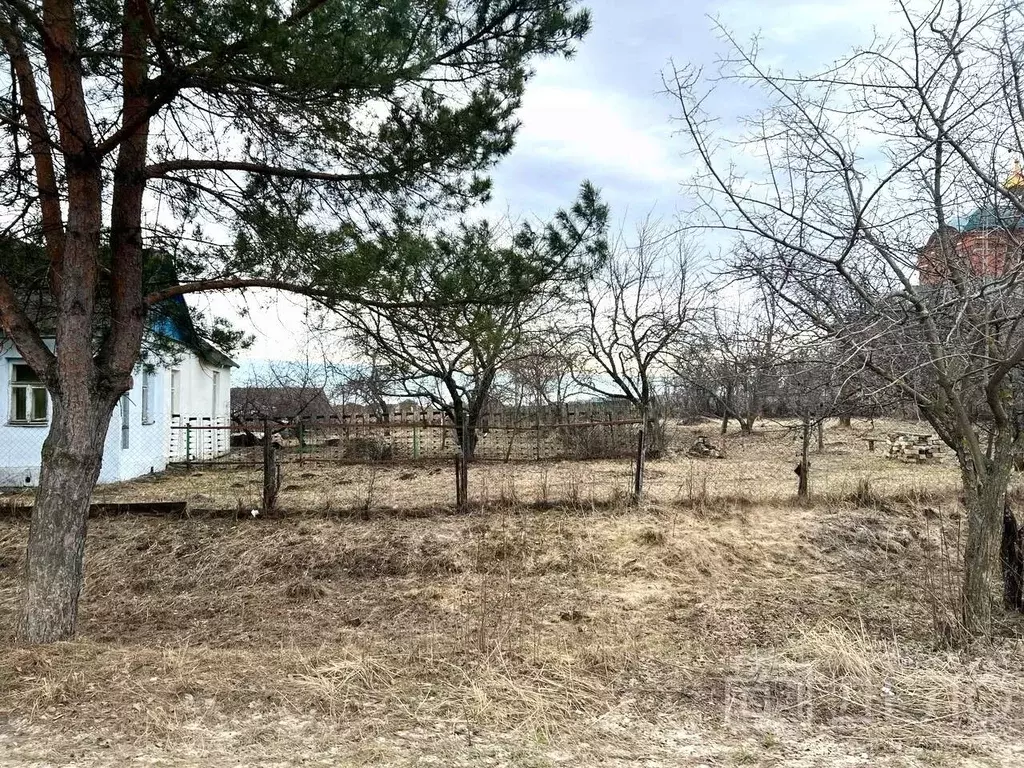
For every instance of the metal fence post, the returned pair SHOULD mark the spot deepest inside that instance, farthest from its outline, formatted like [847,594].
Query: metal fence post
[188,446]
[537,436]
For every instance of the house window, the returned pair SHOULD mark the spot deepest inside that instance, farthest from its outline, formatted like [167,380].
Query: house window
[125,425]
[147,397]
[29,404]
[175,393]
[216,392]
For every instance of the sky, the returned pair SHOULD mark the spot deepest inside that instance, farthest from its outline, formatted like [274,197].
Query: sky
[603,116]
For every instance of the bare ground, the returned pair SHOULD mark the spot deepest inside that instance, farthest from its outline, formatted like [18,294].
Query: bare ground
[719,627]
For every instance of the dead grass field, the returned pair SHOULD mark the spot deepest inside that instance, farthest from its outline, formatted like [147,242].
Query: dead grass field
[720,624]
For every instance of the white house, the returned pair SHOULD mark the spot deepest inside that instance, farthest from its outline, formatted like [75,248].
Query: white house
[166,416]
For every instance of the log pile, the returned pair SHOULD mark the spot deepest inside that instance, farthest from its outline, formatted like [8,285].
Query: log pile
[703,448]
[914,449]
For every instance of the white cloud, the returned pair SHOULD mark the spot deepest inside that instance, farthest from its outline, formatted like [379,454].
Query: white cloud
[596,129]
[799,23]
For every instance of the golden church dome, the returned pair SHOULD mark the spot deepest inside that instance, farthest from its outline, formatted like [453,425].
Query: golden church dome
[1016,179]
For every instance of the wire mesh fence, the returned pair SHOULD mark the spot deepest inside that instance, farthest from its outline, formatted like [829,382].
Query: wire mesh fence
[407,461]
[281,455]
[404,436]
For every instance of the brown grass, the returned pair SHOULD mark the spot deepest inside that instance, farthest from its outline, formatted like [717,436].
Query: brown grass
[717,628]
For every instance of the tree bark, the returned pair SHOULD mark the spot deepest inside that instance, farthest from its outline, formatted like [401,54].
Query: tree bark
[804,467]
[466,422]
[638,476]
[1012,556]
[984,496]
[71,459]
[655,437]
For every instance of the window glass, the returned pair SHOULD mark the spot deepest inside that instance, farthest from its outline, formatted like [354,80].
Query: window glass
[28,398]
[39,404]
[20,400]
[23,373]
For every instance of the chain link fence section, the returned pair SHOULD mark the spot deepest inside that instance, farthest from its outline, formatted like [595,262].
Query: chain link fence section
[527,434]
[579,455]
[514,435]
[361,459]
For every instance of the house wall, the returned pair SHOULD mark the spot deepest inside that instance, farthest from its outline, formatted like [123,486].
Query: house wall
[189,434]
[149,445]
[983,253]
[20,446]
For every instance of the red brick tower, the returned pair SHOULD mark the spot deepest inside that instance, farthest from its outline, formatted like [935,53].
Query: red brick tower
[988,245]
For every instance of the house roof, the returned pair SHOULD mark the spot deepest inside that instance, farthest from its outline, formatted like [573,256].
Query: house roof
[27,269]
[1002,215]
[278,403]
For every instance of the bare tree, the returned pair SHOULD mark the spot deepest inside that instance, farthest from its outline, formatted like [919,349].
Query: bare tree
[732,357]
[542,368]
[857,221]
[451,353]
[281,395]
[373,382]
[634,310]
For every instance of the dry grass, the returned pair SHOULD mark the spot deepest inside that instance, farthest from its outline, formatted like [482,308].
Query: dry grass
[710,629]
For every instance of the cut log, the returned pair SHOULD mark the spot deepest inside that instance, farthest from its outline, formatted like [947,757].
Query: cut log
[110,509]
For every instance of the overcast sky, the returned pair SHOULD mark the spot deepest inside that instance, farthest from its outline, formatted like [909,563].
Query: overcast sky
[602,115]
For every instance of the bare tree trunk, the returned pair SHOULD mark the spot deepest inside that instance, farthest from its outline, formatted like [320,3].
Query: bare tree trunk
[726,405]
[638,476]
[467,437]
[821,436]
[984,498]
[271,471]
[71,459]
[1012,555]
[803,468]
[655,434]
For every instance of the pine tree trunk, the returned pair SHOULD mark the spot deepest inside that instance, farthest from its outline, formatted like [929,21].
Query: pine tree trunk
[71,459]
